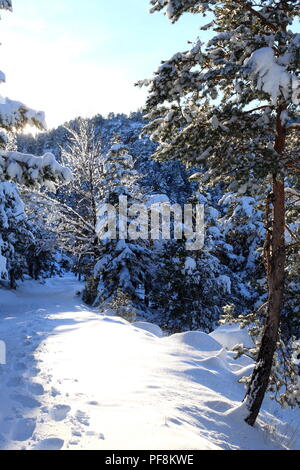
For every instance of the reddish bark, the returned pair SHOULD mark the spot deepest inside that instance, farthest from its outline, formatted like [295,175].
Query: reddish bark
[275,275]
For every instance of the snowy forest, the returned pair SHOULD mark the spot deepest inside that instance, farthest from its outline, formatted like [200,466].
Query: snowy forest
[138,341]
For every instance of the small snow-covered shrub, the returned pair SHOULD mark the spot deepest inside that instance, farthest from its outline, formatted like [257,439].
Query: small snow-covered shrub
[123,307]
[89,293]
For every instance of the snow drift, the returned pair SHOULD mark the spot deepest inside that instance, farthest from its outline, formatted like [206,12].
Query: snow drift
[75,379]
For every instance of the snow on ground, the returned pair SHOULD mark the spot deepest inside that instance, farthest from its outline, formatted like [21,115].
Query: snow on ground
[75,379]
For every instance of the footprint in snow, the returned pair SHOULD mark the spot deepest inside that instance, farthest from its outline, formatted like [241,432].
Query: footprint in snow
[93,403]
[91,433]
[34,371]
[52,443]
[23,429]
[15,381]
[54,392]
[20,355]
[74,442]
[219,406]
[6,425]
[59,412]
[26,401]
[36,389]
[82,417]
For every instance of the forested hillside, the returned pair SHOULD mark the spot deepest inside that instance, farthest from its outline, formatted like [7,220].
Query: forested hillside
[190,289]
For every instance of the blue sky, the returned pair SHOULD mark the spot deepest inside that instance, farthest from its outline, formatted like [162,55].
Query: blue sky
[72,57]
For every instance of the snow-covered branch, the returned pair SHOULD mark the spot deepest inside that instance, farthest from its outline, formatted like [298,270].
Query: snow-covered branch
[31,170]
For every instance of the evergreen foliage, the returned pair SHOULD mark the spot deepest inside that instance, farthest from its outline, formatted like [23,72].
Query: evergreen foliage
[231,106]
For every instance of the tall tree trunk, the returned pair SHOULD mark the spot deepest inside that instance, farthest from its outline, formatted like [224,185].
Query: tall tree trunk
[78,268]
[275,274]
[12,279]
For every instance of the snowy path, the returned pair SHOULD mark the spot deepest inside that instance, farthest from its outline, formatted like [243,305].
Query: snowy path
[75,379]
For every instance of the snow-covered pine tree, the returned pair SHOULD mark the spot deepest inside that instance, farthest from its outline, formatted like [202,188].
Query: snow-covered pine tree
[191,296]
[291,319]
[74,214]
[231,105]
[15,234]
[197,284]
[42,253]
[124,263]
[19,169]
[243,230]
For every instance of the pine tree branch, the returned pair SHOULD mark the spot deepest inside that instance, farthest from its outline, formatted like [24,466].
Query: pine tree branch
[256,13]
[292,234]
[258,108]
[68,208]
